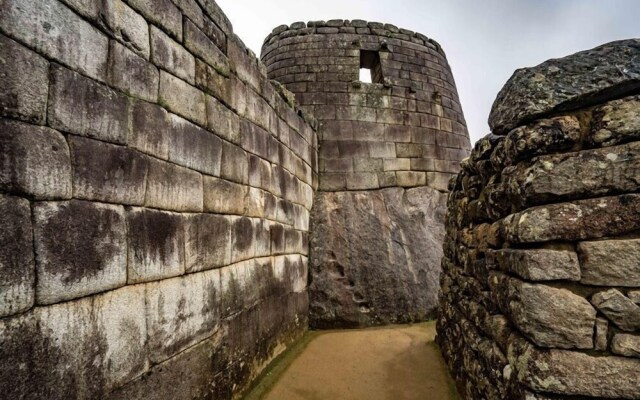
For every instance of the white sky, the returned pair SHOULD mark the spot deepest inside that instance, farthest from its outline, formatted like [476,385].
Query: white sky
[485,40]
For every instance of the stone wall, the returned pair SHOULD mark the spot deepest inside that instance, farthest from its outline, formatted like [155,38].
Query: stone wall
[541,281]
[155,191]
[387,150]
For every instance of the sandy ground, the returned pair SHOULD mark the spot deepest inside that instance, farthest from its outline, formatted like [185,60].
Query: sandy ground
[393,363]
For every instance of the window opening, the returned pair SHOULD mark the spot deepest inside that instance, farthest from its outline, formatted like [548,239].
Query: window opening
[370,67]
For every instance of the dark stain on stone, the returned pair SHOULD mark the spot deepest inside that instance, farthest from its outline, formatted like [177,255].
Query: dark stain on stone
[243,234]
[154,232]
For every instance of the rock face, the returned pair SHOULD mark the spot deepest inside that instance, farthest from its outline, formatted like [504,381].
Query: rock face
[569,83]
[375,257]
[540,286]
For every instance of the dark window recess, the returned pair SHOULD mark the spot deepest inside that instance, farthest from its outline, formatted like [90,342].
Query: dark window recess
[370,67]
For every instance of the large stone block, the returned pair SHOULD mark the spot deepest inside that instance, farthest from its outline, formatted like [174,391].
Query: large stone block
[57,32]
[538,264]
[572,82]
[618,308]
[156,245]
[24,82]
[150,130]
[235,163]
[194,147]
[109,173]
[616,122]
[17,266]
[610,262]
[199,44]
[579,220]
[34,161]
[131,73]
[170,55]
[550,317]
[80,349]
[221,120]
[182,98]
[80,248]
[207,242]
[224,197]
[626,345]
[182,312]
[162,12]
[84,107]
[243,239]
[171,187]
[127,26]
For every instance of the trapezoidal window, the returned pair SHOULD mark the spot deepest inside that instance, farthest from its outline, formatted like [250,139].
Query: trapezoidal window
[370,67]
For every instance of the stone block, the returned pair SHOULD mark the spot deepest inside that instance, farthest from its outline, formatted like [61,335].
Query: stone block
[156,245]
[182,312]
[80,248]
[610,262]
[200,45]
[161,12]
[579,220]
[411,178]
[362,180]
[538,264]
[626,345]
[132,74]
[212,82]
[106,172]
[57,32]
[616,122]
[243,239]
[618,308]
[17,266]
[397,164]
[79,349]
[235,163]
[192,10]
[382,150]
[221,120]
[83,107]
[150,129]
[263,237]
[127,26]
[34,161]
[24,82]
[601,337]
[408,150]
[170,55]
[207,242]
[224,197]
[171,187]
[254,203]
[550,317]
[194,147]
[438,180]
[542,137]
[182,98]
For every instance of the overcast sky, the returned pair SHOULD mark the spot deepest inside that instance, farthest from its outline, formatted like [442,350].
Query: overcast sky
[485,40]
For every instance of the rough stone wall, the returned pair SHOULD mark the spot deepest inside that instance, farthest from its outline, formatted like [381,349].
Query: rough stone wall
[387,151]
[541,275]
[155,191]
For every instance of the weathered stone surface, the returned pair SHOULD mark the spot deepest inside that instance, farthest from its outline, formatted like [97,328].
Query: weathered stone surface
[149,130]
[24,82]
[57,32]
[588,173]
[573,373]
[170,55]
[156,245]
[626,345]
[17,266]
[375,256]
[34,161]
[550,317]
[81,106]
[106,172]
[618,308]
[194,147]
[610,262]
[131,73]
[579,220]
[539,264]
[181,312]
[162,12]
[80,249]
[80,349]
[199,44]
[602,334]
[616,122]
[581,79]
[634,295]
[235,163]
[171,187]
[207,241]
[128,26]
[243,239]
[224,197]
[223,121]
[182,98]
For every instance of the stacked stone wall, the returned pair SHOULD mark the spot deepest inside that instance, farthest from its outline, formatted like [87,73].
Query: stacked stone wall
[155,191]
[540,284]
[386,152]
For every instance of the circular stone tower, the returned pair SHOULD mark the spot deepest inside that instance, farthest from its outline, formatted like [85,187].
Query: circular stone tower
[392,133]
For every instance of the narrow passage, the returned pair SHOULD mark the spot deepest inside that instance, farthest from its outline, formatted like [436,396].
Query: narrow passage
[391,363]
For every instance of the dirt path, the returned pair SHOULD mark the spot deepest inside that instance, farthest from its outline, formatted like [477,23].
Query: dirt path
[393,363]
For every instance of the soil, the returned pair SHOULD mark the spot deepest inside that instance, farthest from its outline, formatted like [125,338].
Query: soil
[391,363]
